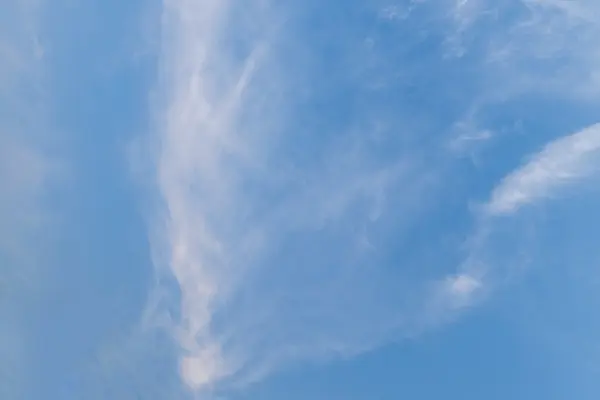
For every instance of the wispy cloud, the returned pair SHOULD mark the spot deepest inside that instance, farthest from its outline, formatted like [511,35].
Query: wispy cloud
[199,153]
[235,198]
[565,161]
[284,234]
[495,247]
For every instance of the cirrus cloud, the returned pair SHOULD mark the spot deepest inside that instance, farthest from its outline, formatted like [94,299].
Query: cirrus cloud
[304,196]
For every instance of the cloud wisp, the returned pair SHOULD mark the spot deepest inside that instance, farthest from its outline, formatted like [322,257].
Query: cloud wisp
[498,245]
[565,161]
[269,247]
[299,223]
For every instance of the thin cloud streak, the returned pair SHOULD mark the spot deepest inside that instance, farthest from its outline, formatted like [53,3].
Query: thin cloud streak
[565,161]
[501,245]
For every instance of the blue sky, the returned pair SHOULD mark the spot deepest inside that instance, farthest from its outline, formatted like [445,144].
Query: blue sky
[205,199]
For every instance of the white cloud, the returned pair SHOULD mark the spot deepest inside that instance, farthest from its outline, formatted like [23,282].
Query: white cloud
[233,198]
[279,256]
[565,161]
[462,285]
[450,296]
[503,241]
